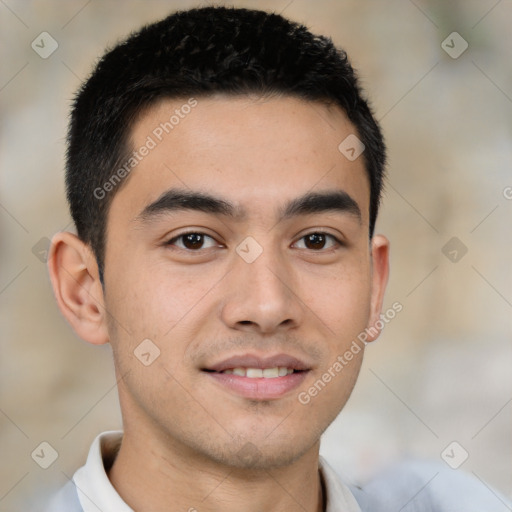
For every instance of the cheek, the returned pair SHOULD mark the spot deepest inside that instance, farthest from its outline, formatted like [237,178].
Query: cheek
[340,299]
[326,395]
[165,306]
[150,299]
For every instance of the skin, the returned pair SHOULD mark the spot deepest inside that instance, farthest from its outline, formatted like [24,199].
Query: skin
[183,431]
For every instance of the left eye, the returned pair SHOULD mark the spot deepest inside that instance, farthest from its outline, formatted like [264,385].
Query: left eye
[192,241]
[317,241]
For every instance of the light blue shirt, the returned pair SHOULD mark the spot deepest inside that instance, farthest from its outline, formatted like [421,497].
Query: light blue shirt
[412,486]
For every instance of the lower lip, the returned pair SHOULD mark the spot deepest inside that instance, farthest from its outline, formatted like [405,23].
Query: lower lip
[260,388]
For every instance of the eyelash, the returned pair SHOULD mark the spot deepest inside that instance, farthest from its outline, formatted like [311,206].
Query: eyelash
[170,242]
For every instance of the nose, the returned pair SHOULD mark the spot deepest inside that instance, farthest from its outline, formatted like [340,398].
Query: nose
[262,296]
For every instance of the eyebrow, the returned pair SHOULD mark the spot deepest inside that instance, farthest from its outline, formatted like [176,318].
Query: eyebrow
[177,199]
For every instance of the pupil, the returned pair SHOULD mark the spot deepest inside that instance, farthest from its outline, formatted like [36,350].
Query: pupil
[316,240]
[193,240]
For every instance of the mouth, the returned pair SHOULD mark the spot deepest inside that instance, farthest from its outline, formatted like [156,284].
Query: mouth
[259,373]
[259,378]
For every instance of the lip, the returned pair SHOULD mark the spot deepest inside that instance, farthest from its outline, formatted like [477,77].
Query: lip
[259,388]
[254,361]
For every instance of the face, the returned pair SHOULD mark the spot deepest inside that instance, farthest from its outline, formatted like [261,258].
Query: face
[238,249]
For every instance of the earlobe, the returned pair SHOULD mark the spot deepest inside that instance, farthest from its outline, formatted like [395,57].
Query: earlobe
[380,273]
[77,287]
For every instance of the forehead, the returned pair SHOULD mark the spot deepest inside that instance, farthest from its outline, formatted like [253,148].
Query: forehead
[257,152]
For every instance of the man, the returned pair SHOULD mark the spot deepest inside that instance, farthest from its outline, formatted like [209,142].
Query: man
[224,174]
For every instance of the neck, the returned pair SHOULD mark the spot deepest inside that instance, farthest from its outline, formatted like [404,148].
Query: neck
[151,476]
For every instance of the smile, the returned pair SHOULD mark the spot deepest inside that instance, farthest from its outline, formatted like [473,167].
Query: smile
[258,373]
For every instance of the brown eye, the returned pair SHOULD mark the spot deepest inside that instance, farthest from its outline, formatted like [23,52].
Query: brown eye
[318,241]
[315,241]
[192,241]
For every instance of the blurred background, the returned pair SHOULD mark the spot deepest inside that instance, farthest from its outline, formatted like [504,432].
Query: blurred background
[439,76]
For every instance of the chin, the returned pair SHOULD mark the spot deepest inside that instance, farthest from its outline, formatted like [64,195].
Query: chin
[262,454]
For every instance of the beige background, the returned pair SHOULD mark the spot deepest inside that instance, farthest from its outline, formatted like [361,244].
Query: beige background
[441,371]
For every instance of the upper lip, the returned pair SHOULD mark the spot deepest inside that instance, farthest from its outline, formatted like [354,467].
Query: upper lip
[255,361]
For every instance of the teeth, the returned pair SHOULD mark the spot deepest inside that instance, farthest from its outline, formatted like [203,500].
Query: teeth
[258,373]
[254,373]
[270,373]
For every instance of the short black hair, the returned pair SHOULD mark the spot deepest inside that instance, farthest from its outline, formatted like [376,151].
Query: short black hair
[197,53]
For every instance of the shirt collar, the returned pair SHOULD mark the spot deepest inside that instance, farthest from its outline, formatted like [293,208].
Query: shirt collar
[339,497]
[97,494]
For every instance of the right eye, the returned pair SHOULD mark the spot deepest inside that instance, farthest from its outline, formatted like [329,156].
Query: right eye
[192,241]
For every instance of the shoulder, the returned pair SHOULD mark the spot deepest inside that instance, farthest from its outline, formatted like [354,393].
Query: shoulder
[420,486]
[64,500]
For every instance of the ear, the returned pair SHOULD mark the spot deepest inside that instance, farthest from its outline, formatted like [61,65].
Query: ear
[75,279]
[380,273]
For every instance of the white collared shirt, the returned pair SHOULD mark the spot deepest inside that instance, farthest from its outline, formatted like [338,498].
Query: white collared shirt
[412,486]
